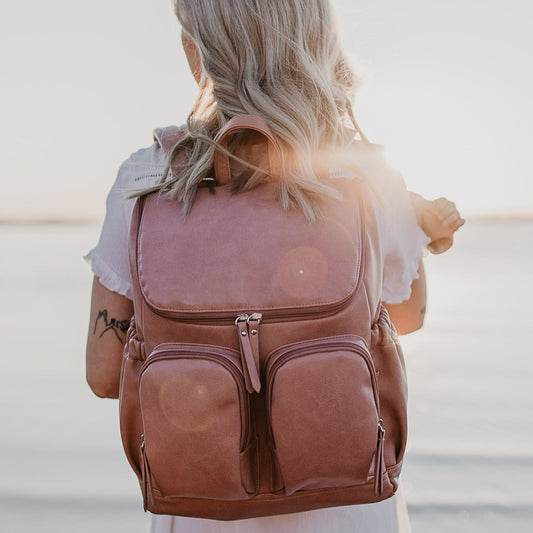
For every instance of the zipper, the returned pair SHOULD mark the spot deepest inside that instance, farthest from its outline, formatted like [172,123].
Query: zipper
[269,315]
[379,469]
[224,357]
[144,475]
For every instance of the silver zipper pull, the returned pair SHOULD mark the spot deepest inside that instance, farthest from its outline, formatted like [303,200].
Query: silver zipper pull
[241,318]
[380,467]
[253,322]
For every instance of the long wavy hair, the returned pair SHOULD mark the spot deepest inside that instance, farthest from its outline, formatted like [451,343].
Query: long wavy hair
[279,60]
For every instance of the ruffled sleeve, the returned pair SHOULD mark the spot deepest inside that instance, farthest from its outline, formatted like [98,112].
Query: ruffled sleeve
[403,242]
[109,260]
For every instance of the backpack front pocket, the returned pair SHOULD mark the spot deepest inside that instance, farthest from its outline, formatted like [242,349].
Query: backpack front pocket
[323,406]
[196,423]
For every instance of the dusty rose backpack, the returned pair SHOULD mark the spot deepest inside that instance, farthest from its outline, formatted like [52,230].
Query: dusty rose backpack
[261,373]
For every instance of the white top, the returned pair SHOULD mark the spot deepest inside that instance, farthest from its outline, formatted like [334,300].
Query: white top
[402,242]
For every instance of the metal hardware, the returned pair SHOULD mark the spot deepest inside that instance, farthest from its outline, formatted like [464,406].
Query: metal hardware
[241,318]
[256,317]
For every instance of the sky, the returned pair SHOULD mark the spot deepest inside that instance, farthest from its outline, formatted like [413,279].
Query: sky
[447,88]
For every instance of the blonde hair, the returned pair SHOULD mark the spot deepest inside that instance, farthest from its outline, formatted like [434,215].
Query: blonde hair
[279,60]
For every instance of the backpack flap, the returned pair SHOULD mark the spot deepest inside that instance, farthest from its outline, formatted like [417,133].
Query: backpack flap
[194,267]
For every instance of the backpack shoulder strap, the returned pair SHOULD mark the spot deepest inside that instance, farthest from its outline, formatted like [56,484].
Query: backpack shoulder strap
[169,136]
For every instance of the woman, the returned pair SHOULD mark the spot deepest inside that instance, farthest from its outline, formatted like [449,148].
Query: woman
[279,60]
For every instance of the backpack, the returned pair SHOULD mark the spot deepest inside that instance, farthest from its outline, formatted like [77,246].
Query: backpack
[261,371]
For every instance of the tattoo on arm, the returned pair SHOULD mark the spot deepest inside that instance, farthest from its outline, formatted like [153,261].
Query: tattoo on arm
[118,327]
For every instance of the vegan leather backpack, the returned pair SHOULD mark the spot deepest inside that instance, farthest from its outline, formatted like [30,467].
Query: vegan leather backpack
[261,374]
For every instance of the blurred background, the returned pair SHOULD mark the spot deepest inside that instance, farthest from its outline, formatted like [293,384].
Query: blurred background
[446,87]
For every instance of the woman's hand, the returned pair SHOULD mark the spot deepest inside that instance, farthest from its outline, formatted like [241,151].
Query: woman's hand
[439,220]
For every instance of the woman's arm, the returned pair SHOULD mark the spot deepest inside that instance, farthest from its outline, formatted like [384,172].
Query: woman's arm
[409,315]
[439,219]
[109,321]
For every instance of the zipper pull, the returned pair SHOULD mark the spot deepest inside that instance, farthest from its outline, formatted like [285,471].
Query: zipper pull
[253,330]
[144,474]
[249,350]
[380,460]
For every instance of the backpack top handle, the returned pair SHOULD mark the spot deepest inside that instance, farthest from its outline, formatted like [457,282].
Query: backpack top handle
[243,122]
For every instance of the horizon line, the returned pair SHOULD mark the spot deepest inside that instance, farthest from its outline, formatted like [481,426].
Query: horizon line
[6,221]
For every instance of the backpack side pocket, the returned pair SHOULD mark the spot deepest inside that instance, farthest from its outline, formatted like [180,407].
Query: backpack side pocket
[390,366]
